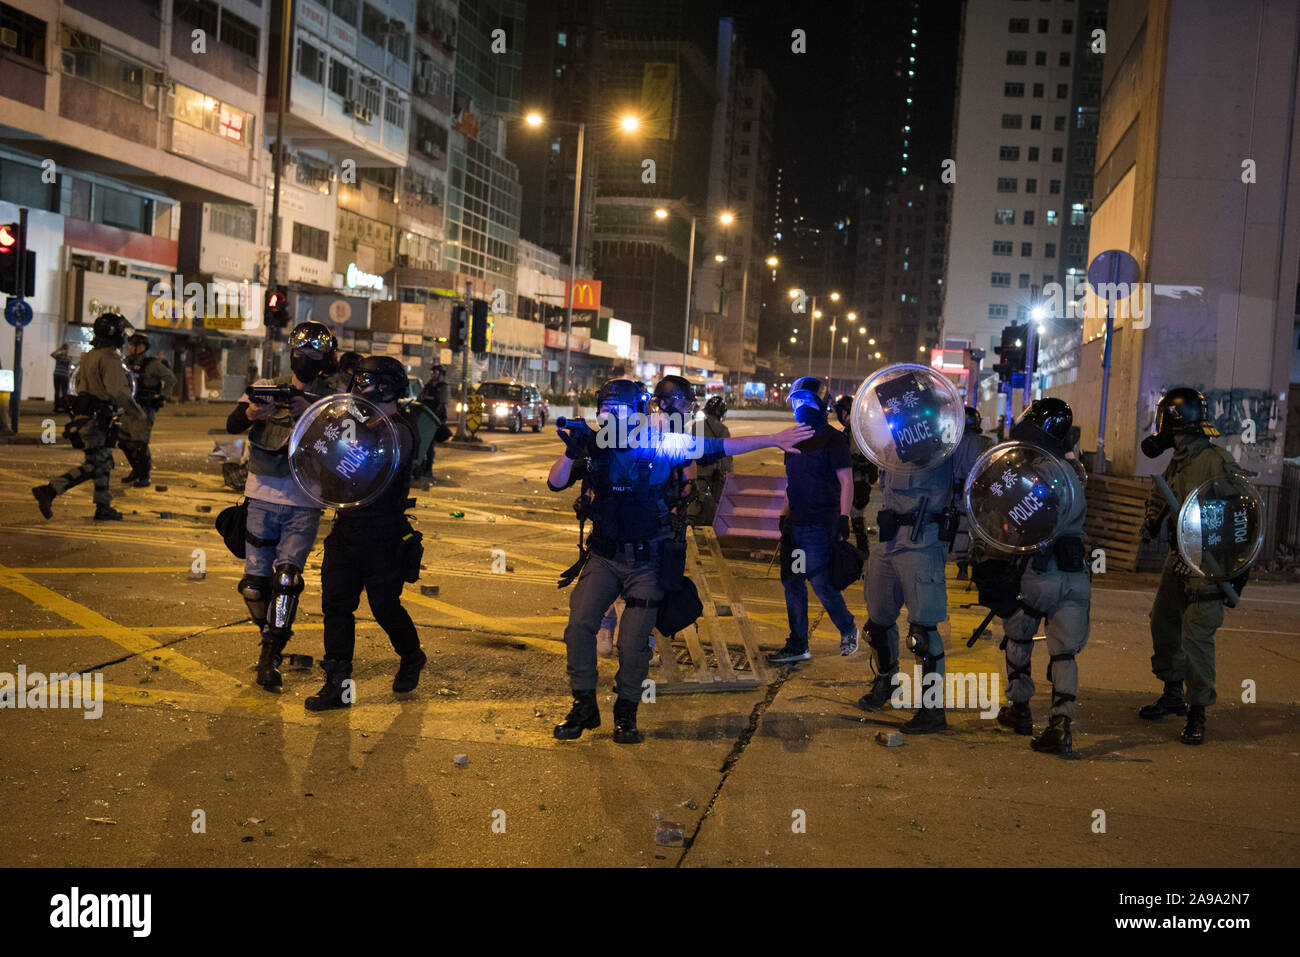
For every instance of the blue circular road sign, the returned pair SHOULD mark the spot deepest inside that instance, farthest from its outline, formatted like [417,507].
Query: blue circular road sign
[18,312]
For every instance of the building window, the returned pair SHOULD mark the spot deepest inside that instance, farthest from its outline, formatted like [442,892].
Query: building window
[1044,25]
[1028,218]
[311,242]
[1026,249]
[311,62]
[1024,280]
[1054,187]
[340,79]
[1031,185]
[1038,91]
[1035,122]
[1040,58]
[1012,121]
[1004,217]
[1078,216]
[1013,89]
[240,34]
[394,109]
[399,40]
[194,108]
[1067,27]
[29,33]
[1000,279]
[1052,218]
[1017,58]
[116,74]
[1058,124]
[1033,154]
[1009,153]
[238,222]
[1006,184]
[1018,25]
[345,10]
[1050,251]
[1002,247]
[1065,58]
[997,312]
[1062,91]
[203,14]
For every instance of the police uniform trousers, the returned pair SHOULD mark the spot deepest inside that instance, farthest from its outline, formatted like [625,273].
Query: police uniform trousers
[135,432]
[96,466]
[361,553]
[913,577]
[1065,600]
[601,582]
[1182,633]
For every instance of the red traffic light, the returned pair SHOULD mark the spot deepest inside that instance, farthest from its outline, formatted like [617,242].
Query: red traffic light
[8,236]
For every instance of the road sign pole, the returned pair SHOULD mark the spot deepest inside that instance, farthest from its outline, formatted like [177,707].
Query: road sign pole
[15,400]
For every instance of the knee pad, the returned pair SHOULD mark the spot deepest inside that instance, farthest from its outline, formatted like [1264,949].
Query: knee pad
[256,592]
[878,639]
[921,640]
[286,586]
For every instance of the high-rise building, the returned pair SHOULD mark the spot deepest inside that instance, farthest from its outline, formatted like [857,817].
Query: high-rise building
[1025,128]
[119,123]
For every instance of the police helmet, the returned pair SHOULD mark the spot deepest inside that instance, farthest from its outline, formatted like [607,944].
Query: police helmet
[844,408]
[139,339]
[1044,422]
[716,407]
[807,389]
[674,394]
[313,336]
[622,392]
[110,329]
[382,374]
[348,362]
[974,421]
[1181,411]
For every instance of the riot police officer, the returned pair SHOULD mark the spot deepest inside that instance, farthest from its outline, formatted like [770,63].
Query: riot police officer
[282,519]
[1188,608]
[154,382]
[974,443]
[865,475]
[103,391]
[710,477]
[1053,584]
[367,548]
[915,526]
[626,494]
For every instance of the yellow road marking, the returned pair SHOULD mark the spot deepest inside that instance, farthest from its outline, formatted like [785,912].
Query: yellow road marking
[133,640]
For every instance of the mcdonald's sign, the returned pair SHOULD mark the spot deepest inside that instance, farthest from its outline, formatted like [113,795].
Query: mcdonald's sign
[583,294]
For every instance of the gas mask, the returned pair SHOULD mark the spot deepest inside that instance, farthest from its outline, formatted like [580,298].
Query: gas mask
[307,366]
[808,412]
[1156,444]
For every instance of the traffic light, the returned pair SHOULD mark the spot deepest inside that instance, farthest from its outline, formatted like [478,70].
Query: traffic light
[1011,352]
[458,335]
[478,334]
[277,307]
[11,240]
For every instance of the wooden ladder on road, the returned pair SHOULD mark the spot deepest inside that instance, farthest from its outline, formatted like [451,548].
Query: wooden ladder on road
[724,617]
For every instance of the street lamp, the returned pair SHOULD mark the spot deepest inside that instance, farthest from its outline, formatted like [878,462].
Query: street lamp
[629,123]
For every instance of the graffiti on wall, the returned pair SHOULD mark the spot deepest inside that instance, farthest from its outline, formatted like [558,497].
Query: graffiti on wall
[1250,422]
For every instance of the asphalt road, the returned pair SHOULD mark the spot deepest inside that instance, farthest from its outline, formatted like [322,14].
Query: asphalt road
[787,775]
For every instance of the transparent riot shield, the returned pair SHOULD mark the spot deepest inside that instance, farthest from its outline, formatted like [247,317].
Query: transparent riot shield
[1220,528]
[1019,496]
[908,418]
[343,451]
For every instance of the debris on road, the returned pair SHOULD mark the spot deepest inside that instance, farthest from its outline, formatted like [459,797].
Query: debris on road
[670,835]
[890,739]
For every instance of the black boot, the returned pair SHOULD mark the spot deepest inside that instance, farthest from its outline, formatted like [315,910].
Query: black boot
[130,477]
[1017,717]
[583,716]
[882,689]
[107,513]
[44,496]
[268,663]
[1194,730]
[625,729]
[408,672]
[1170,702]
[337,691]
[961,571]
[1056,739]
[926,721]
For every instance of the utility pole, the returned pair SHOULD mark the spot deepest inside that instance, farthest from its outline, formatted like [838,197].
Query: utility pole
[15,400]
[277,168]
[573,265]
[462,433]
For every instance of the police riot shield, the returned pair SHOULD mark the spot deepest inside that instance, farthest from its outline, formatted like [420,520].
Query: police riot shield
[1018,497]
[1220,528]
[908,418]
[343,451]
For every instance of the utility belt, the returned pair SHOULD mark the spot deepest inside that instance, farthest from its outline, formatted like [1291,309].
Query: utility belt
[890,521]
[634,553]
[1069,552]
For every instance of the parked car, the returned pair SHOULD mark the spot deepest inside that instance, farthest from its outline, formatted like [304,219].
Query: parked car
[513,405]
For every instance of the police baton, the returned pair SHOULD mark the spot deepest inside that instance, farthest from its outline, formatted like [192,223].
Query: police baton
[1229,592]
[980,630]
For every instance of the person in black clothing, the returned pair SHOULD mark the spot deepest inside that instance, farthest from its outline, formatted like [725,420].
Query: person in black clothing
[366,549]
[865,475]
[819,497]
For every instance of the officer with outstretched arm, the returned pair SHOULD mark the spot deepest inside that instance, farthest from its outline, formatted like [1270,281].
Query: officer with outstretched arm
[626,470]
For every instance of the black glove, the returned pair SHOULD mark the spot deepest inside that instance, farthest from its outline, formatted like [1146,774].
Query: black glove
[842,528]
